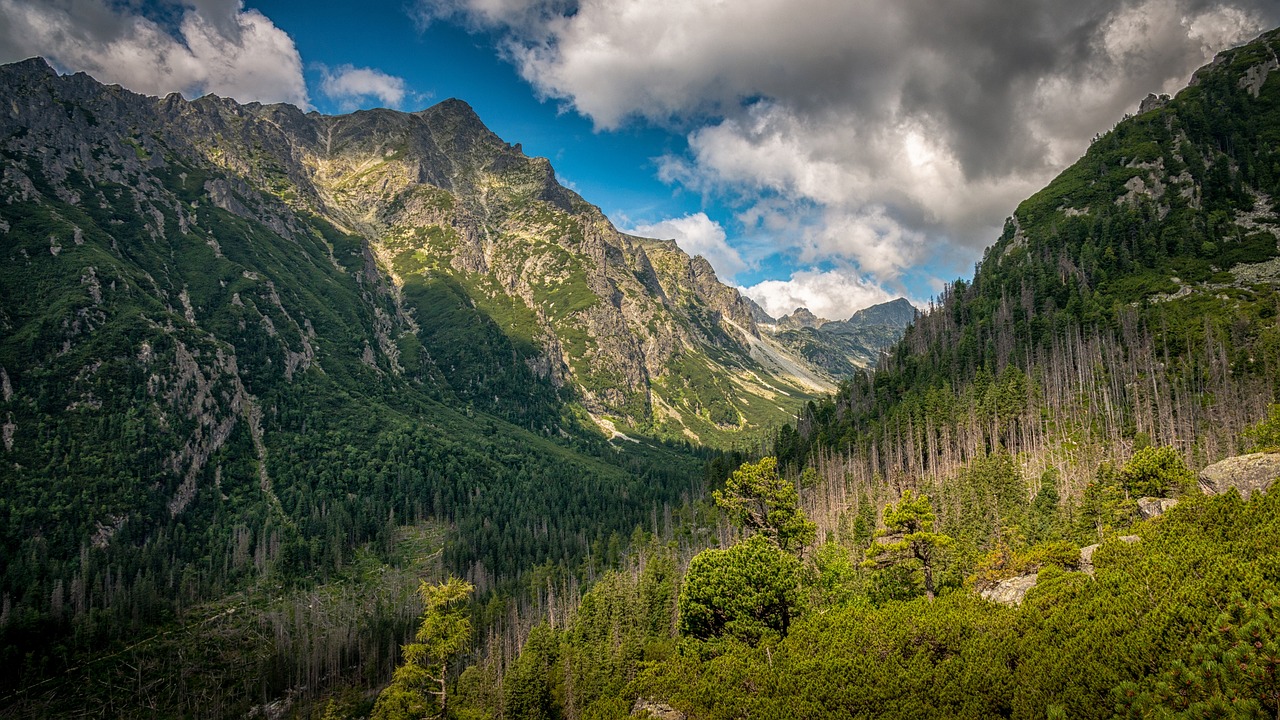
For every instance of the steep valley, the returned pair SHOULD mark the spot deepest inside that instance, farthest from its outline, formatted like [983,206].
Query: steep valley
[264,370]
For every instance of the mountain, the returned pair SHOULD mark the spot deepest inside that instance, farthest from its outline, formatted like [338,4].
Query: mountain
[843,347]
[243,347]
[801,318]
[893,314]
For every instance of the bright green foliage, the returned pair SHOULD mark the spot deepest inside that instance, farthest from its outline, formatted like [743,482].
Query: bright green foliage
[1235,673]
[1156,471]
[902,660]
[836,576]
[910,539]
[419,687]
[1004,562]
[1265,435]
[1128,639]
[750,592]
[759,500]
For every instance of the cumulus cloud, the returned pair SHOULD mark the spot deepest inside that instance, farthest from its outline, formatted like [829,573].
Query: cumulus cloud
[698,234]
[350,86]
[831,294]
[194,47]
[884,133]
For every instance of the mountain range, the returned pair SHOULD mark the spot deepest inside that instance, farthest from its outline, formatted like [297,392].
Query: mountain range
[260,368]
[843,347]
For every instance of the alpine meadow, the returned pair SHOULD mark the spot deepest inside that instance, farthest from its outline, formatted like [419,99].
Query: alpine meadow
[374,415]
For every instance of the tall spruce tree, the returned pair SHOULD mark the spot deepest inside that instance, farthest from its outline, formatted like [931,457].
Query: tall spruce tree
[419,687]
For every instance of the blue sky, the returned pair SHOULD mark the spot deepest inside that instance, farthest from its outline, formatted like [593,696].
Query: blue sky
[825,153]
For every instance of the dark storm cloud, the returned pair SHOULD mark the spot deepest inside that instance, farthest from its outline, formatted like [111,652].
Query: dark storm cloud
[192,47]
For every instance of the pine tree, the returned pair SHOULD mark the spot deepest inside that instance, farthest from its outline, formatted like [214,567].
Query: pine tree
[910,538]
[759,500]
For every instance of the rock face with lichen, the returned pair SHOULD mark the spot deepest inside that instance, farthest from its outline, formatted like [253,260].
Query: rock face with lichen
[654,710]
[1011,592]
[1247,474]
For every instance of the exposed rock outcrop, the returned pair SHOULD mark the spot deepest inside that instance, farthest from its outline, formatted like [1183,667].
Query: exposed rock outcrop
[1149,507]
[654,710]
[801,318]
[1246,473]
[1011,592]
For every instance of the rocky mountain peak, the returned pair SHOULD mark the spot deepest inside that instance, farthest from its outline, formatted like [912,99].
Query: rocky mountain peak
[897,313]
[801,317]
[31,66]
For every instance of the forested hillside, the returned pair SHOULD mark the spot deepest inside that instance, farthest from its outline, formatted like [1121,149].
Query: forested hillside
[263,371]
[1131,302]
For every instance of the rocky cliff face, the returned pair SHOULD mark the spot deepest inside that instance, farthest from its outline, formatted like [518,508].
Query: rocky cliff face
[629,328]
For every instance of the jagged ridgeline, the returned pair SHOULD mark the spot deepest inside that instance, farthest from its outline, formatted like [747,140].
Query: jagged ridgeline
[842,347]
[1132,301]
[240,343]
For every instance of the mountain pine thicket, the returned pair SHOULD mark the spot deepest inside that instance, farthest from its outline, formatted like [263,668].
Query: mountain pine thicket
[263,371]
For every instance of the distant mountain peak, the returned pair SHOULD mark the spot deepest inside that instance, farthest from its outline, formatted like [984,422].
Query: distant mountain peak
[801,317]
[897,313]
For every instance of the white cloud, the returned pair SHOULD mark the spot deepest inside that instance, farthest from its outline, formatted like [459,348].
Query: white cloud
[883,134]
[698,234]
[832,294]
[219,47]
[350,86]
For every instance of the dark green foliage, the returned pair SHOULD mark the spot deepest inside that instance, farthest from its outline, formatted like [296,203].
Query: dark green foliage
[527,687]
[749,592]
[1235,673]
[1104,507]
[203,401]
